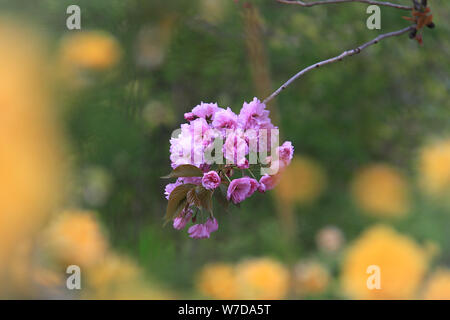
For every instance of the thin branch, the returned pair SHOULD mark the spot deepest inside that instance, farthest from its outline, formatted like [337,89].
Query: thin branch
[340,57]
[315,3]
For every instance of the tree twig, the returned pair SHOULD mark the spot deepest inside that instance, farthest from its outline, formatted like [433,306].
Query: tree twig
[315,3]
[340,57]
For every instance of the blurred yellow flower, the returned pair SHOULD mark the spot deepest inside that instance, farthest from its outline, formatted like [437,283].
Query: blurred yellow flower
[96,50]
[218,281]
[438,286]
[434,168]
[310,278]
[75,237]
[262,278]
[402,264]
[112,270]
[48,279]
[136,291]
[31,161]
[381,190]
[301,182]
[19,270]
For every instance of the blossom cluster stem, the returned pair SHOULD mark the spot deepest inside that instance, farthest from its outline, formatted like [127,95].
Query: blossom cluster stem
[251,173]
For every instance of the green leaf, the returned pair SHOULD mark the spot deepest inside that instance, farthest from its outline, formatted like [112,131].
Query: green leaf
[200,197]
[185,170]
[177,201]
[174,210]
[192,198]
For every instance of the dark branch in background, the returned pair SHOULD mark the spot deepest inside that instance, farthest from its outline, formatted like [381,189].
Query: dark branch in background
[315,3]
[340,57]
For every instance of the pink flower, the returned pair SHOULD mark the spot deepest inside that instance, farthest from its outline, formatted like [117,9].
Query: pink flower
[169,188]
[211,180]
[189,146]
[244,134]
[181,221]
[225,119]
[201,133]
[235,148]
[198,231]
[189,116]
[203,110]
[286,152]
[240,189]
[268,182]
[275,166]
[253,187]
[211,225]
[254,115]
[243,164]
[183,150]
[261,187]
[265,138]
[202,231]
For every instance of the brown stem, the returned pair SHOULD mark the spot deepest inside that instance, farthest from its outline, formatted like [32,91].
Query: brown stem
[340,57]
[315,3]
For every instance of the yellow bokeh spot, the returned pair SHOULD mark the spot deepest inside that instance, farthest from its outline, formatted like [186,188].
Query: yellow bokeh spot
[434,168]
[301,182]
[438,286]
[262,278]
[111,271]
[217,281]
[310,278]
[402,265]
[96,50]
[381,190]
[330,239]
[31,157]
[75,237]
[118,277]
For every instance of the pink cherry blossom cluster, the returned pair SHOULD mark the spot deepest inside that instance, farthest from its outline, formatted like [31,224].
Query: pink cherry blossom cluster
[240,135]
